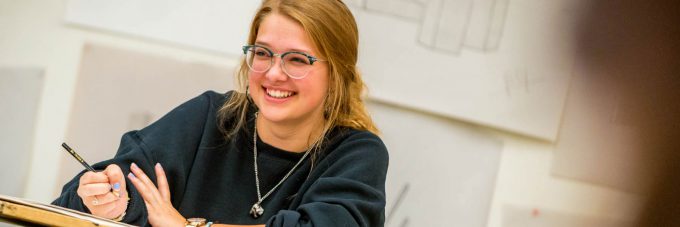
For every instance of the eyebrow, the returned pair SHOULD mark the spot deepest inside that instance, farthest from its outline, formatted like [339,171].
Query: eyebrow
[293,49]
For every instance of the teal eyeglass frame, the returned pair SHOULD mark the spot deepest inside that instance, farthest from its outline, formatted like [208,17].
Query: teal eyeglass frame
[311,58]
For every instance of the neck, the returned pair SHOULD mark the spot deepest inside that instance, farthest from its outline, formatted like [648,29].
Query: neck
[294,137]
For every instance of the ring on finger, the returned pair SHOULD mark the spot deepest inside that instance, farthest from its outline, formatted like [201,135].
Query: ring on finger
[95,201]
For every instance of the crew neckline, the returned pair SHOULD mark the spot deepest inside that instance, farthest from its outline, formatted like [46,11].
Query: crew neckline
[268,149]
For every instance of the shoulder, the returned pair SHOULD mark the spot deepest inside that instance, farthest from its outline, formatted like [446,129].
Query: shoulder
[356,146]
[205,104]
[207,100]
[346,135]
[352,139]
[352,158]
[190,116]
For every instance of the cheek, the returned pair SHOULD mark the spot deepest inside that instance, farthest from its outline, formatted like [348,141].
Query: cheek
[317,89]
[254,80]
[254,88]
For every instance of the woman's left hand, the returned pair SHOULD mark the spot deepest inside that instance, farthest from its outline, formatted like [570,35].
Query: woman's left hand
[157,200]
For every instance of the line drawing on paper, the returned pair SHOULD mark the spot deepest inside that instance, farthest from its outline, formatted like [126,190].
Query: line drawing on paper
[448,25]
[516,82]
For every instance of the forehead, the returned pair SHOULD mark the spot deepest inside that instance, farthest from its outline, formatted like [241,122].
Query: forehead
[281,33]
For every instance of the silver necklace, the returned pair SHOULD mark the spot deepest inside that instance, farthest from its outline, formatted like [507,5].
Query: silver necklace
[256,211]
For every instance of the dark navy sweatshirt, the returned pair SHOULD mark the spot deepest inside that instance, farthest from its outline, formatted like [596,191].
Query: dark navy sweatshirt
[213,177]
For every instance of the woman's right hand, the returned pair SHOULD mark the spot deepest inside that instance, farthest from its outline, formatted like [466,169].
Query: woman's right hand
[104,193]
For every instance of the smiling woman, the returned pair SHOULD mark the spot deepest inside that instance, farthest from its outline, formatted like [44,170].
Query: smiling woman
[281,99]
[293,146]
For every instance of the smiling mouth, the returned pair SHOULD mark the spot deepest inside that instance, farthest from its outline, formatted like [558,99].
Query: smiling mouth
[279,94]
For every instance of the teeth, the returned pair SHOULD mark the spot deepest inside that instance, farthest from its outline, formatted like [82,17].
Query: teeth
[279,94]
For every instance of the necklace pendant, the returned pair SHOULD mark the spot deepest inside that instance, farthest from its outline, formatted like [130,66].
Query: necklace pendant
[256,211]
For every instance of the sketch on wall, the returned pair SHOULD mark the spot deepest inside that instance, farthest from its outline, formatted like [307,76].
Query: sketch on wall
[449,25]
[456,185]
[119,90]
[510,69]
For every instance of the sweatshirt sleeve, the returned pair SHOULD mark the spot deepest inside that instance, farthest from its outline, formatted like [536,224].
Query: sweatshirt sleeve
[350,190]
[171,141]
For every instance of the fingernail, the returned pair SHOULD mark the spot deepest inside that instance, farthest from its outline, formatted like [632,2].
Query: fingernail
[158,165]
[131,175]
[116,187]
[134,166]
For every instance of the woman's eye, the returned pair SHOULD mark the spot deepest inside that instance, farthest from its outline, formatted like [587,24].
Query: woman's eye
[261,53]
[299,60]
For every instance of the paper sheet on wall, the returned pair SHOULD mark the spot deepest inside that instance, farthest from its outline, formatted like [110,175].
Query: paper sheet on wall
[442,172]
[503,64]
[120,90]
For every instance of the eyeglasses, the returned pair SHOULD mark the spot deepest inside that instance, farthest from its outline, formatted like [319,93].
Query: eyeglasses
[295,64]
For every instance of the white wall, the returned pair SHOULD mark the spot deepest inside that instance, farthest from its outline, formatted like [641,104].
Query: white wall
[33,33]
[19,96]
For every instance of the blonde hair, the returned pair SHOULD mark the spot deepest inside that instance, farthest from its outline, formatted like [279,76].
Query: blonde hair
[333,30]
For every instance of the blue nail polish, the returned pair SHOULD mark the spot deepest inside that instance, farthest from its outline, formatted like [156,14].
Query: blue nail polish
[132,175]
[133,165]
[116,186]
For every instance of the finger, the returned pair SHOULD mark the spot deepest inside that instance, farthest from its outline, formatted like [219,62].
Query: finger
[151,187]
[106,210]
[93,201]
[139,173]
[107,198]
[109,210]
[95,189]
[142,188]
[93,177]
[162,181]
[116,208]
[116,179]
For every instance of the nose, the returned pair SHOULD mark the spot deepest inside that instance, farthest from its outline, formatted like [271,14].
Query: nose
[275,72]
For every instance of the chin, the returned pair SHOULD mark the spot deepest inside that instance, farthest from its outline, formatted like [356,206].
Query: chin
[274,115]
